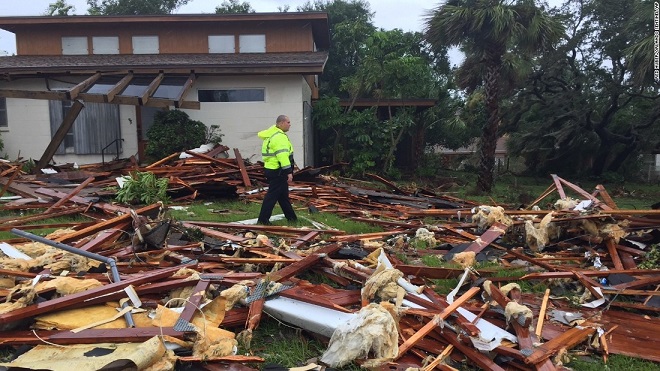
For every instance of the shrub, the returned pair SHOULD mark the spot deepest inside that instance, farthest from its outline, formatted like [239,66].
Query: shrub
[213,135]
[174,131]
[143,187]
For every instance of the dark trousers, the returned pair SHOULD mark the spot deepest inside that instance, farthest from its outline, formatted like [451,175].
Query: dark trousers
[278,191]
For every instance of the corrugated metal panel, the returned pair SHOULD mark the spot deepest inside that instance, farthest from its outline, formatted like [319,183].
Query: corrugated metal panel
[97,127]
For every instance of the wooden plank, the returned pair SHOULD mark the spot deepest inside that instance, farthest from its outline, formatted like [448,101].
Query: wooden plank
[16,171]
[567,340]
[543,195]
[118,88]
[178,101]
[241,166]
[213,233]
[30,94]
[648,281]
[89,336]
[72,93]
[80,298]
[23,220]
[585,194]
[480,359]
[614,254]
[194,301]
[606,196]
[21,189]
[493,233]
[305,239]
[435,322]
[560,189]
[59,135]
[151,88]
[110,223]
[541,318]
[66,198]
[103,237]
[303,264]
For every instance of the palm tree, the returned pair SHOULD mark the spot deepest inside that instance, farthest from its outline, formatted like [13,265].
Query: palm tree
[487,30]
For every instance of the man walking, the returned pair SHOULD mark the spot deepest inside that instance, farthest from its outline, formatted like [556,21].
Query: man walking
[277,153]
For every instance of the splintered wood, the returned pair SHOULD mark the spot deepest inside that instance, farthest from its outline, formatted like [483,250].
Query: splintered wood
[204,286]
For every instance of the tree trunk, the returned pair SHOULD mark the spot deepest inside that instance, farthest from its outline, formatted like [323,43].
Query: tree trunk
[621,157]
[489,134]
[418,143]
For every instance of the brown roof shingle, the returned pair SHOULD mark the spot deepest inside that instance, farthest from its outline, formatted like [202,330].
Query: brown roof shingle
[241,63]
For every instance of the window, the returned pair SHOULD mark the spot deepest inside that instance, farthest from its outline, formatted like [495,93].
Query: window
[96,127]
[145,45]
[222,44]
[105,44]
[74,45]
[3,113]
[232,95]
[252,43]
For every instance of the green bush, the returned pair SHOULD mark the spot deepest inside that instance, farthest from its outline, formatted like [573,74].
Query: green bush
[143,187]
[174,131]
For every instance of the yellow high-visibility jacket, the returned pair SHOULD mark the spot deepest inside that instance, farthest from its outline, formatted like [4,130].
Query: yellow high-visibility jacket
[277,151]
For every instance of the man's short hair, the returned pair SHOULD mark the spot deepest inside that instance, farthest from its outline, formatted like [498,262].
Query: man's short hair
[281,118]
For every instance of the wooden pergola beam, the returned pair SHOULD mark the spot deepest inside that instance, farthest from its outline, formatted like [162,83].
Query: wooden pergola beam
[178,102]
[155,83]
[59,135]
[75,91]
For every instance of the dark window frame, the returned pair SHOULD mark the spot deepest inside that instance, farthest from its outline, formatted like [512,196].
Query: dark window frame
[4,121]
[231,95]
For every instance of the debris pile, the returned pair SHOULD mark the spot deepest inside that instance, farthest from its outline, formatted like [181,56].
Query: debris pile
[134,289]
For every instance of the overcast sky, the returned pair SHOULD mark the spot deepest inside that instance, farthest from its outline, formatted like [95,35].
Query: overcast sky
[407,15]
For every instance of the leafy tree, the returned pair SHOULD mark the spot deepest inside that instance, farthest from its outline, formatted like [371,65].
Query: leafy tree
[487,30]
[589,109]
[392,67]
[350,24]
[133,7]
[59,8]
[351,135]
[640,53]
[174,131]
[234,6]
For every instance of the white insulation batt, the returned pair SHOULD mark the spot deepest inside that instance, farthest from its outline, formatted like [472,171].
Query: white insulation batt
[373,330]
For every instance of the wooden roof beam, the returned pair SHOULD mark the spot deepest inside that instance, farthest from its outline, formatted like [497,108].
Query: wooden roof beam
[76,90]
[29,94]
[61,132]
[123,83]
[184,90]
[155,83]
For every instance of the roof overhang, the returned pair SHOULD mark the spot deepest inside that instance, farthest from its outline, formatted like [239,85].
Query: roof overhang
[157,68]
[311,63]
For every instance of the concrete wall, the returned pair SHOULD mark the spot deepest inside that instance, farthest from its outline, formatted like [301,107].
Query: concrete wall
[28,132]
[240,122]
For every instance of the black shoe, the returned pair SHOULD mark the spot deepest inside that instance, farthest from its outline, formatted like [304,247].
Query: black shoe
[264,223]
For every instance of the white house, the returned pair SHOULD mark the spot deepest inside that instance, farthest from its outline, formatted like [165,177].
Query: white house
[237,71]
